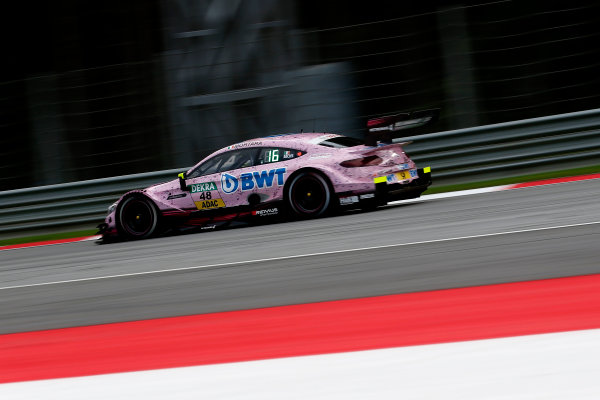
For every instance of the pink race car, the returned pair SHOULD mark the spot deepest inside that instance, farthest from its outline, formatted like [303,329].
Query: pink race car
[301,175]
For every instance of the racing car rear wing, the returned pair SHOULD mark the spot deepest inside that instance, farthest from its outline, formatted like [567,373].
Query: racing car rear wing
[382,128]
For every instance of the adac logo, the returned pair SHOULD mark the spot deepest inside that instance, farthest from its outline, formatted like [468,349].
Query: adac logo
[250,180]
[229,183]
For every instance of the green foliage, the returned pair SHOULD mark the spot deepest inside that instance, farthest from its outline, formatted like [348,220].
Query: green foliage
[48,236]
[517,179]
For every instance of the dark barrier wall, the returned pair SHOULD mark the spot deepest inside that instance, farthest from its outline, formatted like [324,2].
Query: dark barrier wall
[80,90]
[97,89]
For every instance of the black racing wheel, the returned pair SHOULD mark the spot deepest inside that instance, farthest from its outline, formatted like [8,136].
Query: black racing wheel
[137,217]
[308,195]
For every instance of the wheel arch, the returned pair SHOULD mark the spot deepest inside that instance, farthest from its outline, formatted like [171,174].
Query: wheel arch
[324,174]
[137,193]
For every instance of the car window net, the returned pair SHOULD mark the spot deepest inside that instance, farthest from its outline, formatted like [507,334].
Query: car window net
[239,159]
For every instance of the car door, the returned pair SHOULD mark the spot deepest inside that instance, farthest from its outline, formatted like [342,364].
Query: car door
[214,184]
[272,169]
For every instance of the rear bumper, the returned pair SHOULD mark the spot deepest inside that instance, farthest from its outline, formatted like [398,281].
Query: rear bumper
[385,192]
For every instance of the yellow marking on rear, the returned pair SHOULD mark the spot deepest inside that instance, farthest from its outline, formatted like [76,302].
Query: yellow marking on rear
[380,179]
[427,170]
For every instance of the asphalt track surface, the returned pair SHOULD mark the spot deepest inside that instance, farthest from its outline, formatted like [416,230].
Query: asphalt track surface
[509,236]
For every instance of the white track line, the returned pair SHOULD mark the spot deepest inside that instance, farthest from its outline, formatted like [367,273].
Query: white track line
[447,195]
[298,256]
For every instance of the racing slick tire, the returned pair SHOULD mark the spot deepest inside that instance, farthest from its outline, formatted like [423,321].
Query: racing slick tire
[308,195]
[137,217]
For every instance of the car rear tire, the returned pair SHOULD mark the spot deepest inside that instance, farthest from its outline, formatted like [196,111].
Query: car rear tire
[308,195]
[137,217]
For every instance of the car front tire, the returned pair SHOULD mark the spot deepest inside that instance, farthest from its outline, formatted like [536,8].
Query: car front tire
[137,217]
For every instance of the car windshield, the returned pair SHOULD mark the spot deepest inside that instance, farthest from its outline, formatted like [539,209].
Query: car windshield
[208,167]
[225,162]
[341,141]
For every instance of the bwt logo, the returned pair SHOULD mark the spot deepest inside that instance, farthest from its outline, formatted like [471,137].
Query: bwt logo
[250,180]
[229,183]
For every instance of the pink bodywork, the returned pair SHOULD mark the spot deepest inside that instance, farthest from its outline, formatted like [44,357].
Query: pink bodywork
[171,200]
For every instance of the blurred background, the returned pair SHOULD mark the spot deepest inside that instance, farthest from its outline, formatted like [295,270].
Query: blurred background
[103,88]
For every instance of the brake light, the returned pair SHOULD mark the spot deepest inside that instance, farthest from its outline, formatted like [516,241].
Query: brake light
[362,162]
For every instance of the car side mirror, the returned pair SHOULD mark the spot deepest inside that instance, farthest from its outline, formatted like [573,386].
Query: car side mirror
[182,184]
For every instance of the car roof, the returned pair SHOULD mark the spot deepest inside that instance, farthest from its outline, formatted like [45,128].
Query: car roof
[300,141]
[308,138]
[298,136]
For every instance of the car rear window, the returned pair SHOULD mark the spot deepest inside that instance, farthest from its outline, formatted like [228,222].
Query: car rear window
[341,141]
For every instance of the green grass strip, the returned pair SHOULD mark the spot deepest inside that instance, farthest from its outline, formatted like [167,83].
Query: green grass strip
[48,236]
[507,181]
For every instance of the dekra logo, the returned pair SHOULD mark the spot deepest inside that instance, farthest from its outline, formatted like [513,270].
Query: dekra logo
[202,187]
